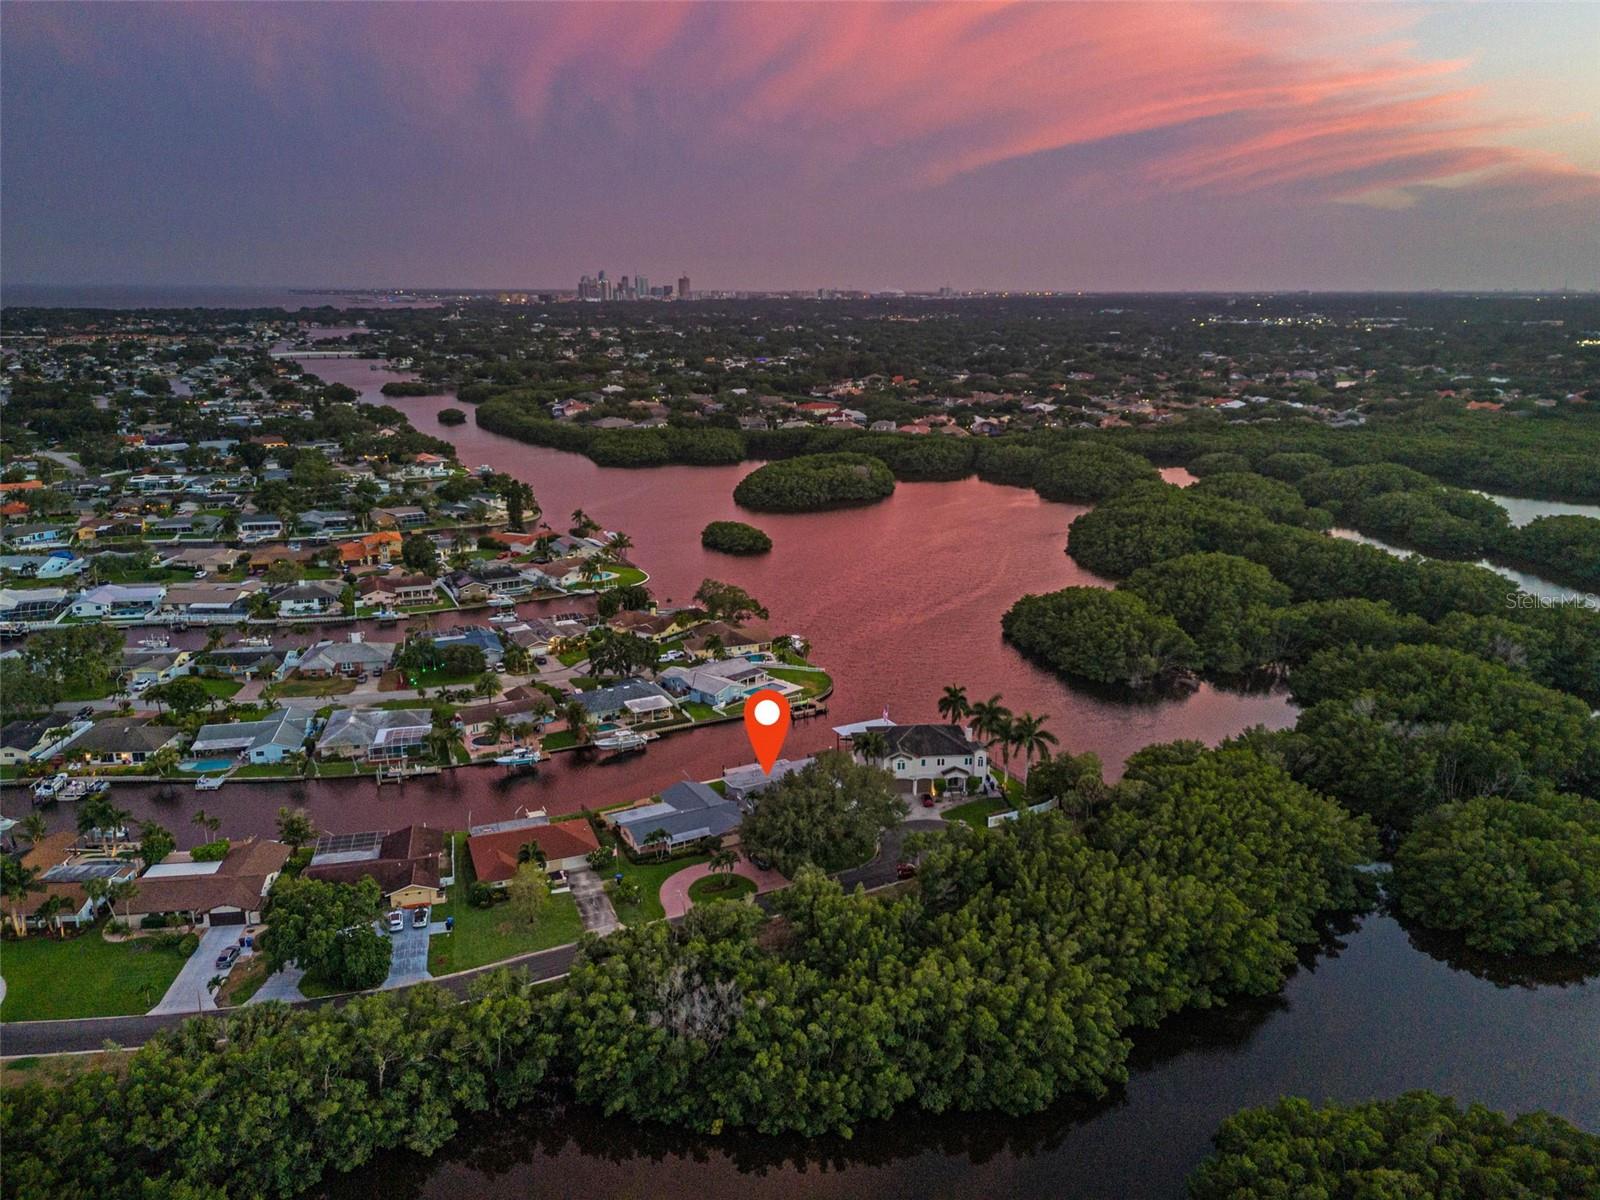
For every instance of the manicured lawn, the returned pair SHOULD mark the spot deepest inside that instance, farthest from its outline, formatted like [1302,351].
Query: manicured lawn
[649,876]
[721,887]
[268,771]
[977,812]
[84,976]
[698,711]
[571,658]
[222,689]
[314,687]
[812,682]
[433,677]
[559,740]
[243,981]
[486,935]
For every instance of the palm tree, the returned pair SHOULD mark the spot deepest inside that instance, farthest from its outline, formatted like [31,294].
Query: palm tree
[47,910]
[991,720]
[206,821]
[499,729]
[954,705]
[582,523]
[33,827]
[577,718]
[660,839]
[1032,738]
[18,882]
[619,544]
[442,741]
[124,890]
[870,745]
[722,863]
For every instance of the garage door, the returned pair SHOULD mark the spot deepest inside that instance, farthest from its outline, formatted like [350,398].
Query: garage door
[227,918]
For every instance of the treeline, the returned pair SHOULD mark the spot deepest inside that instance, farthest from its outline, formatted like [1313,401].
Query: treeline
[1419,1144]
[814,482]
[1432,698]
[1011,977]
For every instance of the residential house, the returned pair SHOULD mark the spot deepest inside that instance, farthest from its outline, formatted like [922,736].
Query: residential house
[33,604]
[142,668]
[497,849]
[524,710]
[743,784]
[248,661]
[36,535]
[654,626]
[64,870]
[704,640]
[34,739]
[629,702]
[479,583]
[121,741]
[212,560]
[192,525]
[928,758]
[323,522]
[684,813]
[716,683]
[119,602]
[411,866]
[271,740]
[486,640]
[375,734]
[229,891]
[313,598]
[259,527]
[354,657]
[396,591]
[399,517]
[375,549]
[211,601]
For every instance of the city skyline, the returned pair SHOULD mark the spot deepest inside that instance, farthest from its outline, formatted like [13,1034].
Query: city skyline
[1071,147]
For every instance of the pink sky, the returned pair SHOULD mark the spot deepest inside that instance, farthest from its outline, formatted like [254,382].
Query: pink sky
[1035,145]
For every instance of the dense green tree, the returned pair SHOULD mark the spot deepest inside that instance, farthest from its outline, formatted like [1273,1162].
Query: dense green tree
[1089,471]
[1512,876]
[326,928]
[1100,635]
[734,537]
[1225,603]
[815,482]
[829,814]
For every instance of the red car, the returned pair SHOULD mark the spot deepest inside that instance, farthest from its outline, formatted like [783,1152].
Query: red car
[905,870]
[928,800]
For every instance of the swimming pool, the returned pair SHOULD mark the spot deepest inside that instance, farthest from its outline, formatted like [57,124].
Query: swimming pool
[201,766]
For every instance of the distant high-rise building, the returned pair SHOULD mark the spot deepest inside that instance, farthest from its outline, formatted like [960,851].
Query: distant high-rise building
[683,287]
[588,289]
[641,287]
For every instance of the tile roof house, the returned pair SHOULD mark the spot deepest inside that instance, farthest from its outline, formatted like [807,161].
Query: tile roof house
[230,891]
[327,659]
[410,866]
[631,701]
[496,849]
[686,812]
[63,872]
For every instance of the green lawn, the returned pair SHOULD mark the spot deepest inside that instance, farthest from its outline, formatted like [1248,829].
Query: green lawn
[649,876]
[571,658]
[813,682]
[268,771]
[977,812]
[222,689]
[558,741]
[84,976]
[721,887]
[698,711]
[486,935]
[291,688]
[433,677]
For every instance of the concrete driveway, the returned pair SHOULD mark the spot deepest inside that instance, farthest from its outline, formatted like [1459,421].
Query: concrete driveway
[189,992]
[409,960]
[594,906]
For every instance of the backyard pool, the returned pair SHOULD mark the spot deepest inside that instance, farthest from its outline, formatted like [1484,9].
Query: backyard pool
[202,765]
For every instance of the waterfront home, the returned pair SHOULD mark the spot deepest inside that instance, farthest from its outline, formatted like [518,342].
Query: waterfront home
[63,870]
[121,742]
[212,560]
[393,591]
[142,668]
[210,601]
[33,604]
[629,702]
[524,710]
[35,739]
[654,626]
[716,683]
[410,866]
[313,598]
[119,602]
[704,640]
[478,583]
[354,657]
[743,784]
[322,522]
[35,536]
[573,571]
[403,516]
[186,525]
[375,734]
[486,640]
[271,740]
[925,758]
[260,527]
[228,891]
[497,849]
[684,813]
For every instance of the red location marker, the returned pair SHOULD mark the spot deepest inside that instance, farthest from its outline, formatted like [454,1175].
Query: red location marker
[766,720]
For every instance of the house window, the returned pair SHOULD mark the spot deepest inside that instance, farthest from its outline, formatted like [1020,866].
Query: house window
[968,760]
[901,765]
[941,762]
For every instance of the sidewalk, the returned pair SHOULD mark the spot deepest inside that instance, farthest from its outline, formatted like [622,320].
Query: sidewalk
[675,888]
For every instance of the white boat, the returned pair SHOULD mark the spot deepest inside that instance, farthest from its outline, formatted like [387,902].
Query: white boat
[504,618]
[209,783]
[78,789]
[156,643]
[525,757]
[46,788]
[502,602]
[389,614]
[625,739]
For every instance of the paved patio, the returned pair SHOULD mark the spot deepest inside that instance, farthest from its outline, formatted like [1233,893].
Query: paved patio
[675,889]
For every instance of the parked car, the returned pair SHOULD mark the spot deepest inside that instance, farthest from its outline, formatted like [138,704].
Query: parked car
[86,712]
[927,800]
[762,863]
[673,656]
[419,918]
[397,921]
[227,958]
[905,870]
[540,660]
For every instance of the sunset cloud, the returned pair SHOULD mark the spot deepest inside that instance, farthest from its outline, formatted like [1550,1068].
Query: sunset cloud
[1129,103]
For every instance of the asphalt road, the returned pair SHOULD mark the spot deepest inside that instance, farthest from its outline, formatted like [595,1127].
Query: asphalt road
[881,870]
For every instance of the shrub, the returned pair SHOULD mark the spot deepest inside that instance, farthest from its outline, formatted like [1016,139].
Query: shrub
[188,944]
[452,416]
[210,851]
